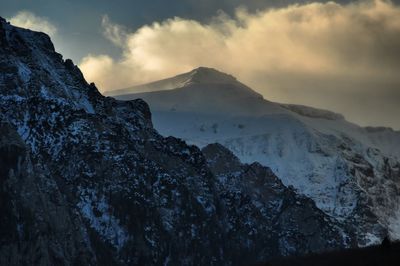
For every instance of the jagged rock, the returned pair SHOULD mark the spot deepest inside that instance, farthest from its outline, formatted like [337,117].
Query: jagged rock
[38,226]
[275,216]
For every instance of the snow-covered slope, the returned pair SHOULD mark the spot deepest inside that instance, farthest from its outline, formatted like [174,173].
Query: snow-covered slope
[351,172]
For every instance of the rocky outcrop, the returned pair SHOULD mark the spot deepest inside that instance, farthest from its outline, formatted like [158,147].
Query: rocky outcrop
[38,225]
[261,212]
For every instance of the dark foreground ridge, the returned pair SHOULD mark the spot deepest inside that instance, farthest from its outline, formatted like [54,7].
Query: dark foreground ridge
[386,254]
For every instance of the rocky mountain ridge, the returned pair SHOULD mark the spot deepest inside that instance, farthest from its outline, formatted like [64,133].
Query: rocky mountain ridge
[87,180]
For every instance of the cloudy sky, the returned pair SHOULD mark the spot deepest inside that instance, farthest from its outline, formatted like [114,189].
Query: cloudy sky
[343,56]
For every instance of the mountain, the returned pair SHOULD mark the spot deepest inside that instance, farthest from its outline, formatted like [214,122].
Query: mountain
[203,89]
[351,172]
[200,75]
[86,180]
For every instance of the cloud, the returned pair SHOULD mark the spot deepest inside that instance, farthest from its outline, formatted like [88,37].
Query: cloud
[117,34]
[29,20]
[300,53]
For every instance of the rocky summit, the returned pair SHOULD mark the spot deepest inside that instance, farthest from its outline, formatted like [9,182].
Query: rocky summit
[86,180]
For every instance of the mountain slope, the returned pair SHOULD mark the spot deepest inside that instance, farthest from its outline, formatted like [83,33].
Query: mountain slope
[352,173]
[86,180]
[38,226]
[253,193]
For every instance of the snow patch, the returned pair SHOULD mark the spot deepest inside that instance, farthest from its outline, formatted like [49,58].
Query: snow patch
[24,72]
[371,239]
[98,212]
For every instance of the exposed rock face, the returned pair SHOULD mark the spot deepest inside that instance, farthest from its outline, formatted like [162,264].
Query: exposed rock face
[261,212]
[38,225]
[86,180]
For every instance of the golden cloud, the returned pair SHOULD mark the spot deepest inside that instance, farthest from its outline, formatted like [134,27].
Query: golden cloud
[29,20]
[295,54]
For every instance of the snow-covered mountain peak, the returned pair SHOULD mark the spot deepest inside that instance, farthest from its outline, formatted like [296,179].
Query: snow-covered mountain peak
[201,77]
[203,88]
[206,75]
